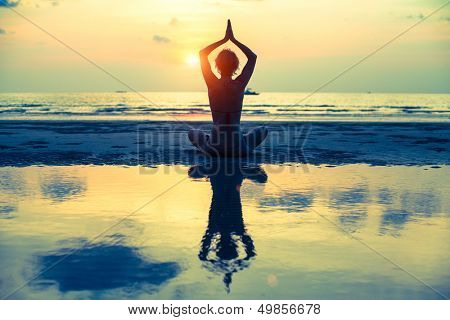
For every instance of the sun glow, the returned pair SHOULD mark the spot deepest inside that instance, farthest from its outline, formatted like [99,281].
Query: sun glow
[192,60]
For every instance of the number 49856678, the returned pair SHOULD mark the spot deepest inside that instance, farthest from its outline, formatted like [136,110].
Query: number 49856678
[286,308]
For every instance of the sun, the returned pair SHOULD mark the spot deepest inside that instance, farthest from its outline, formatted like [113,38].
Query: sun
[192,60]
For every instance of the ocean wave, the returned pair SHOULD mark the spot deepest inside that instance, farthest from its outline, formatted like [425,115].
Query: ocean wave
[22,105]
[16,110]
[116,110]
[403,107]
[254,112]
[314,110]
[426,111]
[155,109]
[109,110]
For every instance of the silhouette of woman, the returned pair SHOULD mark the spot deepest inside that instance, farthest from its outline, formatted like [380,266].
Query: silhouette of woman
[226,247]
[226,96]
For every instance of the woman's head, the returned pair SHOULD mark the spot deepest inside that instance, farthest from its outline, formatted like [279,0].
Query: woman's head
[227,62]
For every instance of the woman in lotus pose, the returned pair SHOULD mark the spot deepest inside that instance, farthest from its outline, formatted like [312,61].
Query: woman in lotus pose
[225,99]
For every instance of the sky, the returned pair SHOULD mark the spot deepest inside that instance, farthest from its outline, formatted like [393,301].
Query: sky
[152,45]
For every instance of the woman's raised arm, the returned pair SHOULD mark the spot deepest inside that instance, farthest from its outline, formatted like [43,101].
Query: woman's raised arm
[208,75]
[247,72]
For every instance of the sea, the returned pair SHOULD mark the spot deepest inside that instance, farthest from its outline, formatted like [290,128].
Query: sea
[187,106]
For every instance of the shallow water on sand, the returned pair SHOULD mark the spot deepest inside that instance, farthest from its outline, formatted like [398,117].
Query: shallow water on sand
[174,232]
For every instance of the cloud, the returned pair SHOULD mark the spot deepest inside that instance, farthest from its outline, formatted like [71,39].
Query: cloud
[415,16]
[420,16]
[160,39]
[288,201]
[174,22]
[2,31]
[57,188]
[4,210]
[101,267]
[9,3]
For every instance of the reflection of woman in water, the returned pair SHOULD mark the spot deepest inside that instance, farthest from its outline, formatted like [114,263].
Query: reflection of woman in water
[226,247]
[226,96]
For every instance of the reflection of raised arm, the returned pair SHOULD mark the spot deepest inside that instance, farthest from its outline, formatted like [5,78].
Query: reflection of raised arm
[247,72]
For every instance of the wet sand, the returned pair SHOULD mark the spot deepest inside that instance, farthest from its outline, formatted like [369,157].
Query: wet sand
[151,143]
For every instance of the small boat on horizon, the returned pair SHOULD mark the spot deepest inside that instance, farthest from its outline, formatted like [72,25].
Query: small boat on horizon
[121,91]
[250,92]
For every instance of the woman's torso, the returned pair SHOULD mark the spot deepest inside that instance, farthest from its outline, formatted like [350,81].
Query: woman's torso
[225,100]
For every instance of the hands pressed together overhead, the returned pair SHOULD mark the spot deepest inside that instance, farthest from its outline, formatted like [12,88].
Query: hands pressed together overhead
[229,33]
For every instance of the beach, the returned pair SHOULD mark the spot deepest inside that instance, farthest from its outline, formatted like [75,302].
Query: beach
[224,159]
[117,204]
